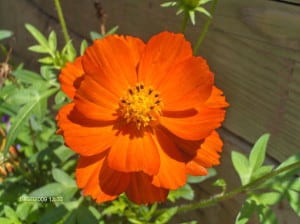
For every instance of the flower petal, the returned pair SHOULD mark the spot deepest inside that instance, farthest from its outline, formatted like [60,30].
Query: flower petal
[71,76]
[162,52]
[84,136]
[95,101]
[87,177]
[195,169]
[172,173]
[200,125]
[141,191]
[188,85]
[132,152]
[205,153]
[112,181]
[208,153]
[112,62]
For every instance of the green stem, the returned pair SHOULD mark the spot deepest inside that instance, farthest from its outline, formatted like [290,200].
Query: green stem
[218,198]
[205,27]
[184,21]
[62,21]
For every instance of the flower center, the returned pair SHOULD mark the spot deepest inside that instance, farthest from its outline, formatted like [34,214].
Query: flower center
[141,105]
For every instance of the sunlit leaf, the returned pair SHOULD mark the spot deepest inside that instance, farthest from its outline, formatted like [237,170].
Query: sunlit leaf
[268,198]
[258,152]
[266,215]
[83,46]
[39,37]
[23,116]
[5,34]
[198,179]
[294,201]
[246,212]
[185,192]
[39,49]
[241,166]
[166,216]
[52,41]
[63,178]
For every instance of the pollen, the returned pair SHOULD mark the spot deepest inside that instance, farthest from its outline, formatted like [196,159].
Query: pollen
[141,105]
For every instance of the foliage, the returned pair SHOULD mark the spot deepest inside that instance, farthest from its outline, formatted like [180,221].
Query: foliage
[37,169]
[266,194]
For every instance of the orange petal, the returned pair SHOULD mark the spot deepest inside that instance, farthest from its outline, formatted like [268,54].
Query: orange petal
[111,62]
[112,181]
[216,99]
[187,85]
[84,136]
[141,191]
[95,101]
[195,169]
[162,52]
[172,173]
[131,152]
[87,177]
[136,46]
[195,127]
[205,153]
[71,76]
[208,153]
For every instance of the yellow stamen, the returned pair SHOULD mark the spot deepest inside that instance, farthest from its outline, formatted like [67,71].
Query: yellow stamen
[141,105]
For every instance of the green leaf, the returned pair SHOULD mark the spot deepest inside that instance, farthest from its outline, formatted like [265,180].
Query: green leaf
[168,4]
[246,212]
[192,17]
[23,115]
[63,153]
[84,215]
[267,216]
[268,198]
[40,38]
[11,214]
[293,159]
[69,51]
[52,189]
[53,215]
[5,34]
[261,171]
[258,152]
[52,41]
[27,76]
[166,216]
[83,46]
[203,11]
[38,49]
[112,30]
[46,60]
[198,179]
[241,166]
[23,210]
[6,221]
[95,35]
[185,192]
[294,201]
[63,178]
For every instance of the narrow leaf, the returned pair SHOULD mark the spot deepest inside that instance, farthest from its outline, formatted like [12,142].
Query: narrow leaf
[40,38]
[5,34]
[23,115]
[241,166]
[63,178]
[258,152]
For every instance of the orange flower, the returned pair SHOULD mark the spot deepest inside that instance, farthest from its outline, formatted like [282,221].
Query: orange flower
[142,116]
